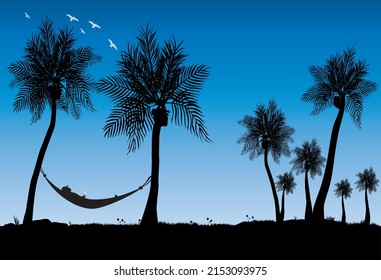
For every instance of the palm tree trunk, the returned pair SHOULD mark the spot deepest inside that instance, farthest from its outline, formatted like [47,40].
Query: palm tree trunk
[318,210]
[308,211]
[28,216]
[367,210]
[150,213]
[272,184]
[343,216]
[282,210]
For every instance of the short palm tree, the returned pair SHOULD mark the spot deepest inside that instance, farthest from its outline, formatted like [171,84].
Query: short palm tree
[341,83]
[285,184]
[343,190]
[52,74]
[149,78]
[308,159]
[267,132]
[367,182]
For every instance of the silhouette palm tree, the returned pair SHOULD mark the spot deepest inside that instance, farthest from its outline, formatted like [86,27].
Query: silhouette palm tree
[340,82]
[149,78]
[367,182]
[285,184]
[343,190]
[267,132]
[308,159]
[52,74]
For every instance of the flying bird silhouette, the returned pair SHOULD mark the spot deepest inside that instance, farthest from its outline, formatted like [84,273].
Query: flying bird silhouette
[83,31]
[112,45]
[72,17]
[26,15]
[94,25]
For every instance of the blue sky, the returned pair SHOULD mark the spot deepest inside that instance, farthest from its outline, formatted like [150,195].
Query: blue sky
[256,50]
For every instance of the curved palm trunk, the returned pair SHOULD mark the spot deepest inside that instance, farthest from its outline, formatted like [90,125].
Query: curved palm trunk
[308,211]
[318,210]
[343,216]
[28,216]
[150,213]
[282,210]
[272,184]
[367,210]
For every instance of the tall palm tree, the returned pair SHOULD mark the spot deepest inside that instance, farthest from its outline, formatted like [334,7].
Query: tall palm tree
[52,74]
[285,184]
[267,132]
[343,190]
[367,182]
[149,78]
[308,159]
[341,83]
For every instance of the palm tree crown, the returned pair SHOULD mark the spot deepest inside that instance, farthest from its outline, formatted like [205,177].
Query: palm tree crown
[343,189]
[308,159]
[286,182]
[150,77]
[367,180]
[266,130]
[340,82]
[53,69]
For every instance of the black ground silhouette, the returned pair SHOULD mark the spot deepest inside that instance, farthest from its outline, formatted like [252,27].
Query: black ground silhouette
[255,240]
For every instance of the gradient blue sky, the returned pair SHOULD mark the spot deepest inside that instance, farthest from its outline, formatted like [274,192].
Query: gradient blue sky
[257,50]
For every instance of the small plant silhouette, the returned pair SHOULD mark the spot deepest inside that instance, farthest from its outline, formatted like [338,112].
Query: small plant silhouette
[120,221]
[210,221]
[16,220]
[250,219]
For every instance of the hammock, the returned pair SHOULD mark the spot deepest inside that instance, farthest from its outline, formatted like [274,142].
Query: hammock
[84,202]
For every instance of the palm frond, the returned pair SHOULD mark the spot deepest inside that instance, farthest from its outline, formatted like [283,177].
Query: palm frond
[116,87]
[354,100]
[131,118]
[183,99]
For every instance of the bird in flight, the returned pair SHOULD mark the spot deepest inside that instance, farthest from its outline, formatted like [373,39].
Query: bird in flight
[94,25]
[112,45]
[72,17]
[26,15]
[83,31]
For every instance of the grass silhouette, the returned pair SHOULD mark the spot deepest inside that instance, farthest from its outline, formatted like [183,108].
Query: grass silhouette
[288,240]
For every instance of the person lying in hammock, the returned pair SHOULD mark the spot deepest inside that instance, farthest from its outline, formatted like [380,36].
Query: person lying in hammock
[66,189]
